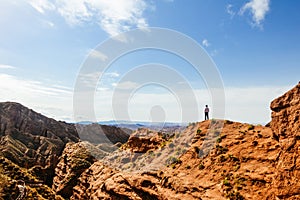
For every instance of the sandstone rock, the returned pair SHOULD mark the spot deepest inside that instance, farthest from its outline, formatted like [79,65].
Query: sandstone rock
[74,160]
[286,124]
[143,140]
[28,138]
[286,113]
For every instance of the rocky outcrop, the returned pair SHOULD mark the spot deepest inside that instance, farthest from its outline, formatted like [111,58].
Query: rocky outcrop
[28,138]
[143,139]
[286,127]
[103,182]
[75,159]
[285,114]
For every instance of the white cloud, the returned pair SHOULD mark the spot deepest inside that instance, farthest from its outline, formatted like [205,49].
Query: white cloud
[205,43]
[127,85]
[98,55]
[48,24]
[6,67]
[230,11]
[113,16]
[49,99]
[112,74]
[250,104]
[42,5]
[258,9]
[214,52]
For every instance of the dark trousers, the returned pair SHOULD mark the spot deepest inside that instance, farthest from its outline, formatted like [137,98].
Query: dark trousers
[206,116]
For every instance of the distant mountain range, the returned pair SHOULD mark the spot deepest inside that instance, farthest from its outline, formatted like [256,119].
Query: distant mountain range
[133,125]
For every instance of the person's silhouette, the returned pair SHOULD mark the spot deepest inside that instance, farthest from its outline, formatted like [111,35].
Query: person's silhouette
[206,111]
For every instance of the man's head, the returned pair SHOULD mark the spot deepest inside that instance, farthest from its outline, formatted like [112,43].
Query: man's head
[206,106]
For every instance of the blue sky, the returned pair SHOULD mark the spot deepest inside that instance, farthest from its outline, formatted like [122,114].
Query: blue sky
[254,43]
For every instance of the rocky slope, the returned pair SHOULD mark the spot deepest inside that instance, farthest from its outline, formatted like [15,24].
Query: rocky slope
[247,162]
[216,159]
[11,173]
[29,138]
[75,159]
[35,143]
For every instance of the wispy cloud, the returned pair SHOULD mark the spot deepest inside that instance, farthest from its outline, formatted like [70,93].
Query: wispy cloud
[258,9]
[230,11]
[127,85]
[6,67]
[42,5]
[242,104]
[53,100]
[113,16]
[98,55]
[205,43]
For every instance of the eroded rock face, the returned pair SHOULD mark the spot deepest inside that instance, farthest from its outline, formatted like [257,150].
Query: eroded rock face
[74,160]
[28,138]
[103,182]
[286,113]
[286,125]
[143,140]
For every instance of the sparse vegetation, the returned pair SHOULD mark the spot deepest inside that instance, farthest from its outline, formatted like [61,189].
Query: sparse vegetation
[220,149]
[199,131]
[236,167]
[188,167]
[201,166]
[234,195]
[173,160]
[222,158]
[226,182]
[251,127]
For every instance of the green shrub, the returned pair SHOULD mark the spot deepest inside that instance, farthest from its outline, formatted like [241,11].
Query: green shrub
[226,182]
[250,127]
[201,166]
[199,131]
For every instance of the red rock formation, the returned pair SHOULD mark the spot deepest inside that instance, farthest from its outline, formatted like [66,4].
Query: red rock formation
[247,162]
[286,126]
[74,160]
[29,138]
[143,140]
[285,114]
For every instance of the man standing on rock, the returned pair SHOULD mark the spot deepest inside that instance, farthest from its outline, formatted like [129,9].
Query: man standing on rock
[206,111]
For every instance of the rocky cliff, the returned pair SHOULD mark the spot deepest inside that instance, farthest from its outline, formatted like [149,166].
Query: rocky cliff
[285,114]
[286,129]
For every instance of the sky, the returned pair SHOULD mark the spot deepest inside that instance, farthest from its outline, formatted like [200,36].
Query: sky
[254,44]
